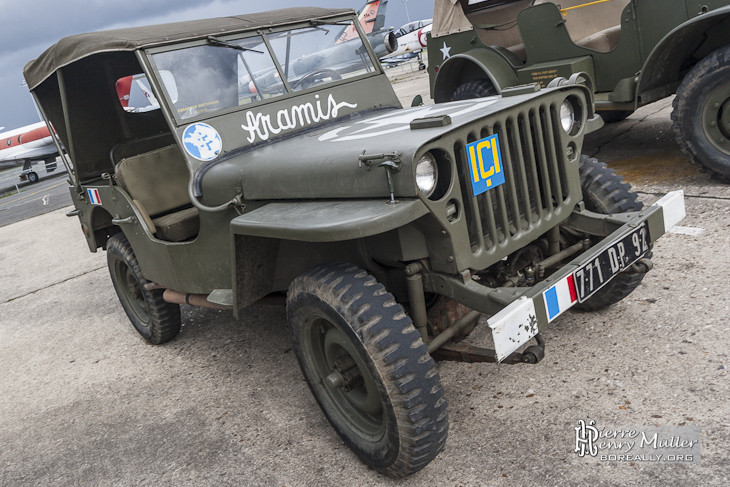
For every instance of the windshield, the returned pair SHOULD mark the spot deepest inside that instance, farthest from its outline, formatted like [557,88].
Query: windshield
[229,73]
[315,55]
[209,78]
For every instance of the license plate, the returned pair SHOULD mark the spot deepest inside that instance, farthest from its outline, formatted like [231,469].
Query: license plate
[619,255]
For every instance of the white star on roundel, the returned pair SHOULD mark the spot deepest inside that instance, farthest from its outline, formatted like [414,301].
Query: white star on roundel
[446,51]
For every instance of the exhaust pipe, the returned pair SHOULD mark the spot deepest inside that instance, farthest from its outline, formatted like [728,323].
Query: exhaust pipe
[176,297]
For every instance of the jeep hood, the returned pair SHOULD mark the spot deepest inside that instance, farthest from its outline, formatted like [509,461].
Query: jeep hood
[325,162]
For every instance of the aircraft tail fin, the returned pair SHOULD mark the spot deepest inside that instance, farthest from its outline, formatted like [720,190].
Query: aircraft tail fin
[371,18]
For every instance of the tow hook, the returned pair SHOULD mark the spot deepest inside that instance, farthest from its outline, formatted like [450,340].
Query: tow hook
[642,266]
[534,353]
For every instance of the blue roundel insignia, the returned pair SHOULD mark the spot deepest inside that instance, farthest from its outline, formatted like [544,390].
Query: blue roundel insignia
[202,141]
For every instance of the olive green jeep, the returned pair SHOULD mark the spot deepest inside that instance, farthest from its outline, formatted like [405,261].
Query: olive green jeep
[259,159]
[635,52]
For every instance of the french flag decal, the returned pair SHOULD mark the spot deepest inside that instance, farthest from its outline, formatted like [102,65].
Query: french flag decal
[94,198]
[560,297]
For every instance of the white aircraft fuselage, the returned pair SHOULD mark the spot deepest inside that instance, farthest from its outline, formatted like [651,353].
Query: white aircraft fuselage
[412,42]
[30,143]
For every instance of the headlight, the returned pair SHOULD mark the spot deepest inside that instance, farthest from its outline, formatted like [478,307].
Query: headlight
[567,116]
[427,174]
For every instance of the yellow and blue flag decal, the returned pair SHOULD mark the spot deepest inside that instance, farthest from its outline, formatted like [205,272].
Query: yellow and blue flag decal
[485,164]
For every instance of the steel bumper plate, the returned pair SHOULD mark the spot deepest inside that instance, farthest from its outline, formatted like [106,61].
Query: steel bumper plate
[576,282]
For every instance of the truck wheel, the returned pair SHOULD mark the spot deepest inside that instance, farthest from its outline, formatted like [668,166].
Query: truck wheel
[477,88]
[701,115]
[155,319]
[367,368]
[33,177]
[613,116]
[605,192]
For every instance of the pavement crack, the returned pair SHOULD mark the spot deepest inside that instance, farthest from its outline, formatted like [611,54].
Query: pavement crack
[54,284]
[623,132]
[694,196]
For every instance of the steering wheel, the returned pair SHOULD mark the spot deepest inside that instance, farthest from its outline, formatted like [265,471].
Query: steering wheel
[315,77]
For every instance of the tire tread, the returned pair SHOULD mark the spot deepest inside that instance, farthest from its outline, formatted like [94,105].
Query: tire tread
[407,371]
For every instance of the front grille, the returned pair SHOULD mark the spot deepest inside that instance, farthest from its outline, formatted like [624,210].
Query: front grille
[535,178]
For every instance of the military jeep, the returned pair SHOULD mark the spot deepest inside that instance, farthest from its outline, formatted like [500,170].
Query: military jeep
[251,159]
[635,52]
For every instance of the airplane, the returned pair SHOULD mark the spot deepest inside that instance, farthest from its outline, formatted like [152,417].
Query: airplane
[411,26]
[389,62]
[411,39]
[369,20]
[29,144]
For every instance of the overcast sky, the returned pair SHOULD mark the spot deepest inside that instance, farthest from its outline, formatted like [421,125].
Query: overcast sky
[28,29]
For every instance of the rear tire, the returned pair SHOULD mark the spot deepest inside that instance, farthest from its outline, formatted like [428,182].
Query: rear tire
[155,319]
[477,88]
[605,192]
[367,368]
[33,177]
[701,115]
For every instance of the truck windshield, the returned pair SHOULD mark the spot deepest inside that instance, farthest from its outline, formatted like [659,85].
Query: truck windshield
[228,73]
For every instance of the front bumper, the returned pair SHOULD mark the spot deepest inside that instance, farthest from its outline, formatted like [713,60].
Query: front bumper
[518,314]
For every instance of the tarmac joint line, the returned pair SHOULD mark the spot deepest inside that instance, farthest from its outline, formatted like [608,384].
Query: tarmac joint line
[54,284]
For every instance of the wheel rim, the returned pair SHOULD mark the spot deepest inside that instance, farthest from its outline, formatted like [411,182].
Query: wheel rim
[716,118]
[347,389]
[132,292]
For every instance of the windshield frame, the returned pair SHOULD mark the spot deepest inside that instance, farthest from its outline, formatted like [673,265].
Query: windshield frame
[153,74]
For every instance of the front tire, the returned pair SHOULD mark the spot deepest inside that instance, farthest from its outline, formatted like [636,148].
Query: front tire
[605,192]
[367,368]
[701,115]
[33,177]
[155,319]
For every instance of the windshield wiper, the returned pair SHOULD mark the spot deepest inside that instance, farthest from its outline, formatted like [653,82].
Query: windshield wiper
[217,42]
[324,22]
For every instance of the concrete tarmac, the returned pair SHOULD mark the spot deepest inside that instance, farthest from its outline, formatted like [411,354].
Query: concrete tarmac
[85,401]
[48,194]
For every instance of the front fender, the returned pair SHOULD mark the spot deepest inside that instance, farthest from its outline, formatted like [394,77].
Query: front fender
[662,71]
[327,221]
[471,65]
[275,243]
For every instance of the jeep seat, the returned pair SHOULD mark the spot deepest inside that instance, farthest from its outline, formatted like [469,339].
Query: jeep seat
[593,26]
[157,181]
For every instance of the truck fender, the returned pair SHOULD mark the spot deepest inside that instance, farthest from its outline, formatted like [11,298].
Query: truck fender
[468,66]
[662,71]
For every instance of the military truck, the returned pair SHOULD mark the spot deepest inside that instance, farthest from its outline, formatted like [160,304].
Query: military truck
[635,52]
[251,159]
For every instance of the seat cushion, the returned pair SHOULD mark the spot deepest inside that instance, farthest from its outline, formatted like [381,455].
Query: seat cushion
[157,179]
[178,226]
